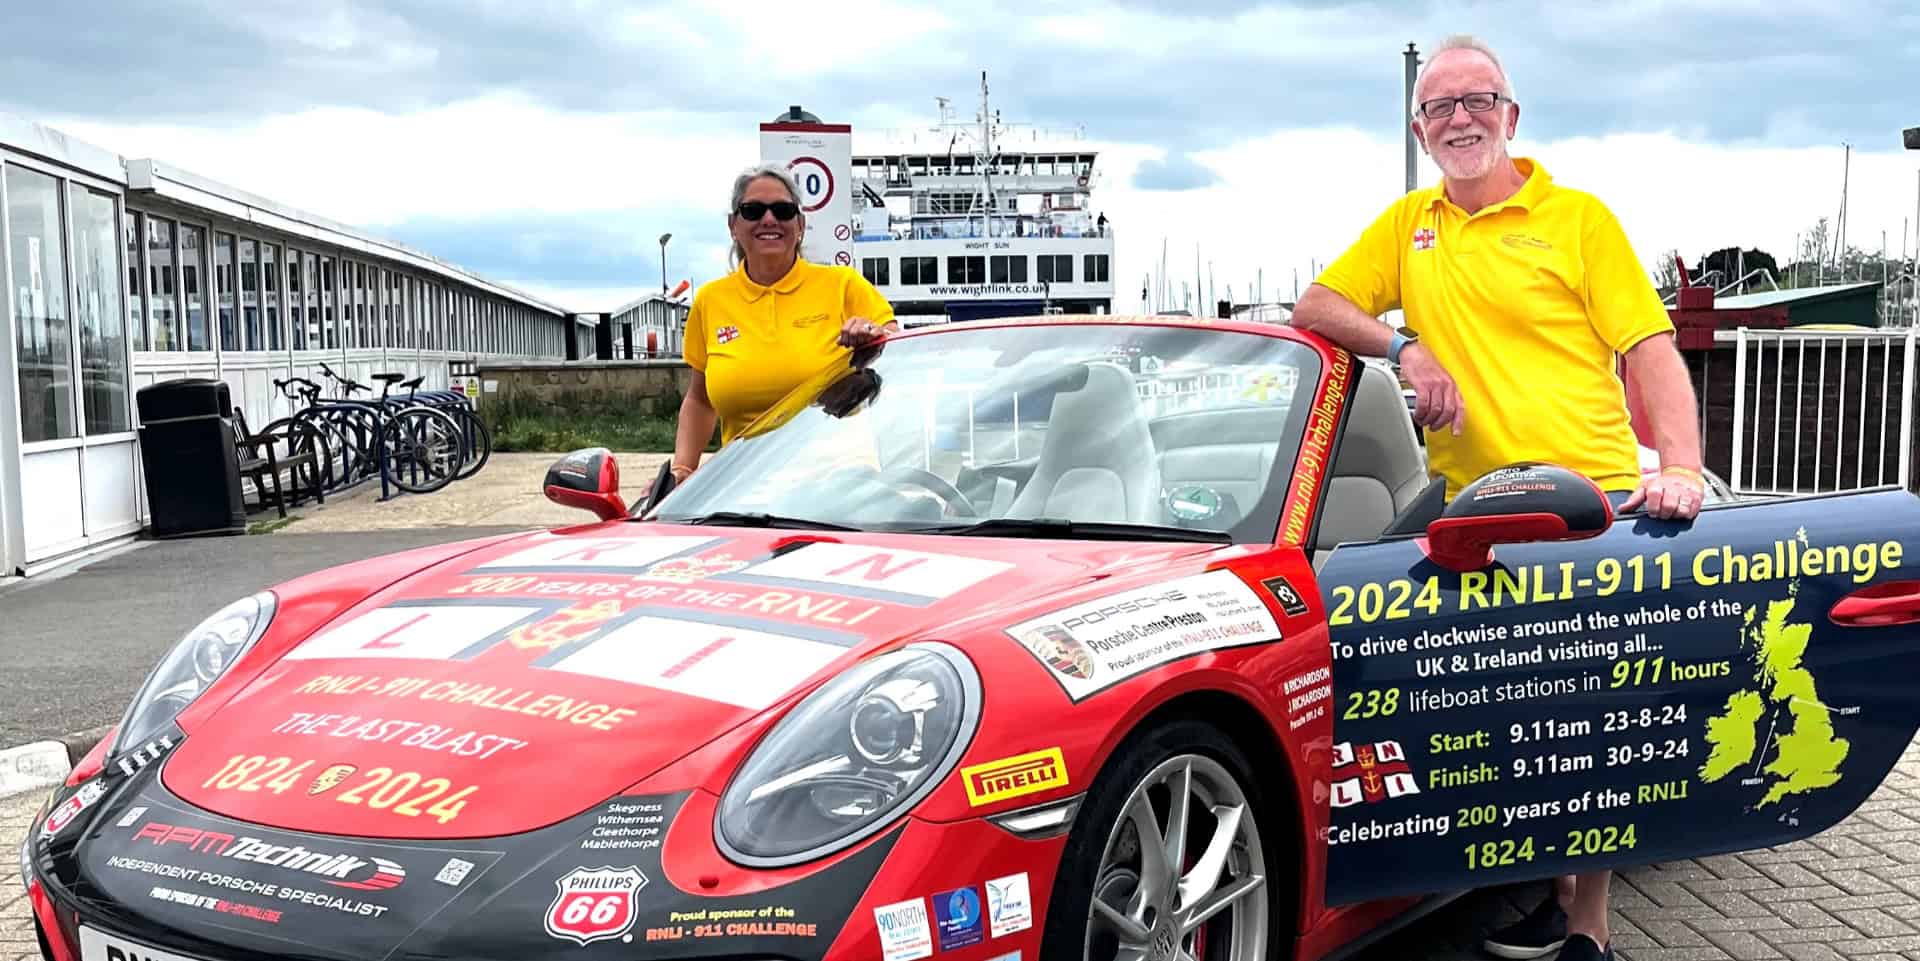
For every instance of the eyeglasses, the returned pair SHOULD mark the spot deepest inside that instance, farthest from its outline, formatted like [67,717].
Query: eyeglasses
[782,209]
[1441,108]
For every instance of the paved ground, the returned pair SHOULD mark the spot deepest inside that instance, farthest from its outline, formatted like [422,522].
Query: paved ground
[74,646]
[506,493]
[16,922]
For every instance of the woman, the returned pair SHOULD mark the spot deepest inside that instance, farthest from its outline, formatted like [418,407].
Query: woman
[774,322]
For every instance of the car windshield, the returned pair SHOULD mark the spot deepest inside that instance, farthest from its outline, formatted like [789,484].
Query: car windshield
[1071,430]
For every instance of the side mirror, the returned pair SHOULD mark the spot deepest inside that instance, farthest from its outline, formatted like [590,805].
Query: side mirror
[589,480]
[1517,504]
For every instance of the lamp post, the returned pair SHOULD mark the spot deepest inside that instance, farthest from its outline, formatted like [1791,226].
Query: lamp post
[1911,138]
[666,313]
[663,265]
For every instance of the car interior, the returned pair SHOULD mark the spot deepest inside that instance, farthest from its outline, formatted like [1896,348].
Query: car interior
[1092,463]
[1378,482]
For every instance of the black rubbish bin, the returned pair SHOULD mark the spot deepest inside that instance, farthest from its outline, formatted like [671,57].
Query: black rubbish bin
[187,453]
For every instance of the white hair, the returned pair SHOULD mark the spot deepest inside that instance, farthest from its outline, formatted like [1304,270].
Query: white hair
[1459,41]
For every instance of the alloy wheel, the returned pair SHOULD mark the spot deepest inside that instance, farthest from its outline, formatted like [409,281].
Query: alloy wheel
[1183,875]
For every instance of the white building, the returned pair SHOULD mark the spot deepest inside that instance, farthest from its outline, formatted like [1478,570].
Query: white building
[124,272]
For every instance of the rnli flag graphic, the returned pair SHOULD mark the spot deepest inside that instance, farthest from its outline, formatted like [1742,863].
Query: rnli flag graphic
[1423,239]
[1371,772]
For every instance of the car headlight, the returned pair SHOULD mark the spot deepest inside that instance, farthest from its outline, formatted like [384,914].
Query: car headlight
[201,656]
[865,746]
[26,862]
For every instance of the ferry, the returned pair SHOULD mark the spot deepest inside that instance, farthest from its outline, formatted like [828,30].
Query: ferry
[971,220]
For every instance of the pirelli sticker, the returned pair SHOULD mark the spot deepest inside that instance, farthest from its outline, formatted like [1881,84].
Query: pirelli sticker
[1015,776]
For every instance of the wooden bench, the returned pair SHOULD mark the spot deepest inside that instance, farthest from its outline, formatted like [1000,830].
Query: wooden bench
[261,456]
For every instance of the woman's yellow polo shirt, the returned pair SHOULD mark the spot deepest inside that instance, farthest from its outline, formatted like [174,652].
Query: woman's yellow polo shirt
[756,344]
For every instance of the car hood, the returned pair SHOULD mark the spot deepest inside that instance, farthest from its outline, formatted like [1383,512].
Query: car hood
[518,685]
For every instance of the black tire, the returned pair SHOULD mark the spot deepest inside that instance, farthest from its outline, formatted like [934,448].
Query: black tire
[478,441]
[421,450]
[1102,818]
[297,436]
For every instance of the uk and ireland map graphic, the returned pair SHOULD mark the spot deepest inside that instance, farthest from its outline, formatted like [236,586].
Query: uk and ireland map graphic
[1782,710]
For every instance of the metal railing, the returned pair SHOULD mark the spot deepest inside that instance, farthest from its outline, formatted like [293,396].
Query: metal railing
[1818,411]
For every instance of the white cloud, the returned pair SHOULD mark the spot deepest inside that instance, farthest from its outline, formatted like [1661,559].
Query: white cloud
[1293,199]
[1285,200]
[493,154]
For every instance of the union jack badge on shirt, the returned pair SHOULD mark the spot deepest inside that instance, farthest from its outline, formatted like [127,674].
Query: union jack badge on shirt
[1423,239]
[726,334]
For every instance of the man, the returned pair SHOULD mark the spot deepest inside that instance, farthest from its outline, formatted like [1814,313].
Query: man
[1519,296]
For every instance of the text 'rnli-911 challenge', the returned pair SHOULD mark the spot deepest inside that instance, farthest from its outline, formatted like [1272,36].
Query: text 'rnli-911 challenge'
[1051,638]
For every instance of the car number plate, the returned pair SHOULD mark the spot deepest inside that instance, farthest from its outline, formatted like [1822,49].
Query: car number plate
[97,945]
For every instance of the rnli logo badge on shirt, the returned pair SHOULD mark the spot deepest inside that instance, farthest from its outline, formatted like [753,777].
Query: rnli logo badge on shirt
[1423,239]
[726,334]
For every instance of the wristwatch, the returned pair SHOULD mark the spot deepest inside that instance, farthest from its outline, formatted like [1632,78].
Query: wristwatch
[1402,336]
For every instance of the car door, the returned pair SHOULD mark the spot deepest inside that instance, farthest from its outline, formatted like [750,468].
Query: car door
[1659,691]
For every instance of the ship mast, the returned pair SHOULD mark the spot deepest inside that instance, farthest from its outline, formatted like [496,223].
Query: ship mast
[986,159]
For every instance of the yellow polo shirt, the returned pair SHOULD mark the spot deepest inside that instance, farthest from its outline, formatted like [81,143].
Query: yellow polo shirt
[1525,303]
[757,344]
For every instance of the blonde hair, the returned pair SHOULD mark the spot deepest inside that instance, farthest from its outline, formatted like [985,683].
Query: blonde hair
[736,256]
[1459,41]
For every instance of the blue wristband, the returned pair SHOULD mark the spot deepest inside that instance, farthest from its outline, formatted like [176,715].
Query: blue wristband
[1393,346]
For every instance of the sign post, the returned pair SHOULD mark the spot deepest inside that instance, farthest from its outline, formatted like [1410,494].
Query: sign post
[819,156]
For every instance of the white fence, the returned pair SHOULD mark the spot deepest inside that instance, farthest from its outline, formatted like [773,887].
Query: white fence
[1818,411]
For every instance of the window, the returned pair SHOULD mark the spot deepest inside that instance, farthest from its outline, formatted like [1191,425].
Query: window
[1010,270]
[918,270]
[329,285]
[250,298]
[1096,269]
[366,320]
[135,227]
[223,288]
[1055,268]
[966,270]
[103,342]
[161,311]
[401,333]
[297,298]
[875,270]
[270,277]
[193,286]
[40,307]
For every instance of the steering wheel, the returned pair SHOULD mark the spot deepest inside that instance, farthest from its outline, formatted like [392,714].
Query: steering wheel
[948,494]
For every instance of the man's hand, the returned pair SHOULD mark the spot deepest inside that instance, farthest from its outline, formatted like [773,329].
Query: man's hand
[1436,399]
[859,331]
[1673,494]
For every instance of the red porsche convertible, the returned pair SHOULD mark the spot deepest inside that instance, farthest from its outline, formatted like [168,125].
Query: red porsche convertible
[1059,638]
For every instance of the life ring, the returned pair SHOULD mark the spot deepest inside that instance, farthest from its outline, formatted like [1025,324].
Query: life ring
[1083,180]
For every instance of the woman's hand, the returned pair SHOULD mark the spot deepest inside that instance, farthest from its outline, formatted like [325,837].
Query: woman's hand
[859,331]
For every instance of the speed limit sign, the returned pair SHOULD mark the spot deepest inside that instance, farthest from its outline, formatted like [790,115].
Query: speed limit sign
[815,180]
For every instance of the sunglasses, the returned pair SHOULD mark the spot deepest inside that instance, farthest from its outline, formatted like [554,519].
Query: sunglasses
[782,210]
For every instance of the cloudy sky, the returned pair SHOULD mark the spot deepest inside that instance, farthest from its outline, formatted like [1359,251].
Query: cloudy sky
[548,143]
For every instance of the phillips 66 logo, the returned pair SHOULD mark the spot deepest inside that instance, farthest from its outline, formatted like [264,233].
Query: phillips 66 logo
[594,904]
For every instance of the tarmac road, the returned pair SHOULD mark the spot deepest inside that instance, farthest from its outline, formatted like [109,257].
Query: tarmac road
[75,646]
